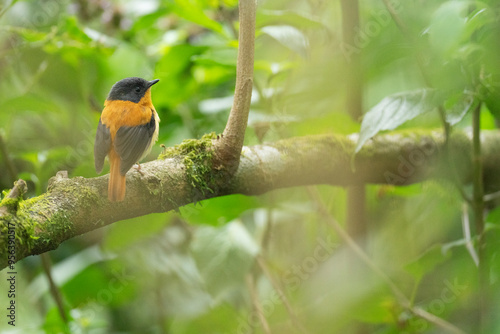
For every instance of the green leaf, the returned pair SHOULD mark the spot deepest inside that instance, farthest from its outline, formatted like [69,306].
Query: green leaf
[224,318]
[54,323]
[219,56]
[127,232]
[71,28]
[395,110]
[128,61]
[290,37]
[287,17]
[494,216]
[457,106]
[483,15]
[224,256]
[29,35]
[194,13]
[429,260]
[492,100]
[174,69]
[219,210]
[448,25]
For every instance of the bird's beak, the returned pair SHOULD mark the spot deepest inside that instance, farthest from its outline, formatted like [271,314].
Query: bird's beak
[152,82]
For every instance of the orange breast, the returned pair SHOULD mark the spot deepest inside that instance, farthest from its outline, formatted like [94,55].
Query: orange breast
[124,113]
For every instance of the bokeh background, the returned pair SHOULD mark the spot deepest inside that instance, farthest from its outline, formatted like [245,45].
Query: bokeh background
[237,264]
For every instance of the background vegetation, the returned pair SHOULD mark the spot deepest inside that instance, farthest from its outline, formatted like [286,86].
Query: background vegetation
[273,263]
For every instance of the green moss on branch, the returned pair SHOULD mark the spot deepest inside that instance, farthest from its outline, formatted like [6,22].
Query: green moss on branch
[197,155]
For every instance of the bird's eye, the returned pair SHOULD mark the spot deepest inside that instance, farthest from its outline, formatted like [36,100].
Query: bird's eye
[137,89]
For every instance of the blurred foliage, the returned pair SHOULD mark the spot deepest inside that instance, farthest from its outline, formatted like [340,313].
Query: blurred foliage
[196,271]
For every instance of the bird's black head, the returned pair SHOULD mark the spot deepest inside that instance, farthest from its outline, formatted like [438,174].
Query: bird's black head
[130,89]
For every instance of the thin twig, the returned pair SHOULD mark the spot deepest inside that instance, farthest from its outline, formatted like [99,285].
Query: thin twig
[436,320]
[400,296]
[477,171]
[353,245]
[11,168]
[256,304]
[229,146]
[491,196]
[6,8]
[401,25]
[54,290]
[478,207]
[467,236]
[356,195]
[284,299]
[427,81]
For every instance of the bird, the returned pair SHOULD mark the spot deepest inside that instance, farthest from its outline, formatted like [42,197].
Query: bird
[127,129]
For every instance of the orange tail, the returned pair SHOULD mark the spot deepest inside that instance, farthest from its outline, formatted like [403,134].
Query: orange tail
[116,185]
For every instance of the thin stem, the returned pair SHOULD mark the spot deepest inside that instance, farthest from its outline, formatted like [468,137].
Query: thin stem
[6,8]
[401,25]
[54,290]
[427,81]
[356,195]
[358,251]
[477,171]
[11,168]
[313,192]
[230,145]
[350,26]
[256,304]
[478,207]
[467,236]
[284,299]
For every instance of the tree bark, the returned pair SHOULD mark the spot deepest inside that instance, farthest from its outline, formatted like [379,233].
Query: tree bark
[230,144]
[74,206]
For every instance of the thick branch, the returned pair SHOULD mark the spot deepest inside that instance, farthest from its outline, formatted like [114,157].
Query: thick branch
[75,206]
[229,147]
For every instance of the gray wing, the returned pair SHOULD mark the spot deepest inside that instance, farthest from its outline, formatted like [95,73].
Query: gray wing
[132,141]
[102,145]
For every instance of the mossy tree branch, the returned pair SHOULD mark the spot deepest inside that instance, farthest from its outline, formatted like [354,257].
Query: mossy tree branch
[186,174]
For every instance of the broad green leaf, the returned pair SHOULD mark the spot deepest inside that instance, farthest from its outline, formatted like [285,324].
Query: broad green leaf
[493,216]
[128,232]
[28,34]
[219,210]
[174,69]
[194,13]
[492,100]
[334,122]
[448,25]
[67,270]
[376,308]
[54,323]
[429,260]
[268,17]
[128,61]
[290,37]
[492,251]
[224,256]
[457,106]
[223,57]
[395,110]
[71,28]
[483,15]
[224,317]
[32,102]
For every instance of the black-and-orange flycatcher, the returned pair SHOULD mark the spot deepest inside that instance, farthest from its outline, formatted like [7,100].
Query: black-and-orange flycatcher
[127,130]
